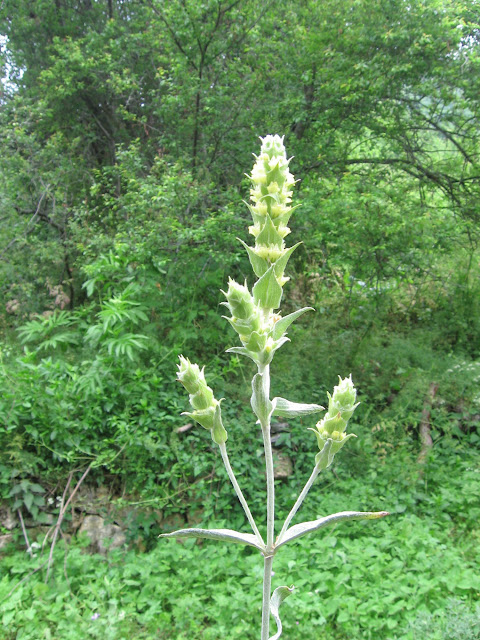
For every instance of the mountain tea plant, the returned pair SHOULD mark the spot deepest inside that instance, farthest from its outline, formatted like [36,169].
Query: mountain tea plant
[262,330]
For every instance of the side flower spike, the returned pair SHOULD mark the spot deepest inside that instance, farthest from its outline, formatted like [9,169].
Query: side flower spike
[330,430]
[206,409]
[247,318]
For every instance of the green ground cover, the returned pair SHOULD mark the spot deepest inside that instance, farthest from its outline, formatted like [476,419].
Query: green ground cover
[380,580]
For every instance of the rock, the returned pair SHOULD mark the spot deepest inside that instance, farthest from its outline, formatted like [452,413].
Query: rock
[103,495]
[282,465]
[5,540]
[103,536]
[195,518]
[37,534]
[7,518]
[130,517]
[43,518]
[172,522]
[93,499]
[279,427]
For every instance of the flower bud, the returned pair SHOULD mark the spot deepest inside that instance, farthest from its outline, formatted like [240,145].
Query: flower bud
[247,318]
[189,375]
[201,396]
[333,425]
[242,305]
[343,399]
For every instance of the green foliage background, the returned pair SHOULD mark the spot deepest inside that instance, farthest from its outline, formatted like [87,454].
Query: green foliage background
[126,129]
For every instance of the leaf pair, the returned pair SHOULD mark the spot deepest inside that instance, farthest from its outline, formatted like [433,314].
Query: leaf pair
[297,531]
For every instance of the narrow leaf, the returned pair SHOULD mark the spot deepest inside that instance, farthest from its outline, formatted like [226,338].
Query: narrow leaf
[287,409]
[267,292]
[261,405]
[282,325]
[227,535]
[303,528]
[242,352]
[278,596]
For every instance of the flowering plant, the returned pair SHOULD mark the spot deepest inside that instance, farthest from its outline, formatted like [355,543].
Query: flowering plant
[262,330]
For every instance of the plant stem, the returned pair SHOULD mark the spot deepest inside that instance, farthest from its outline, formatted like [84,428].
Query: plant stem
[267,587]
[267,573]
[299,501]
[29,548]
[267,444]
[63,510]
[238,491]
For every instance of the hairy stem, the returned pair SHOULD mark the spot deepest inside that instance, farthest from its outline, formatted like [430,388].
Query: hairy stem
[267,574]
[299,501]
[27,542]
[238,491]
[267,587]
[267,444]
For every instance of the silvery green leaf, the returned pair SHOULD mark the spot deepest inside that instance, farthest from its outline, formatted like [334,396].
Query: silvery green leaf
[256,342]
[269,235]
[276,600]
[259,265]
[218,432]
[228,535]
[303,528]
[282,325]
[281,263]
[266,356]
[284,217]
[243,352]
[267,292]
[324,457]
[261,405]
[287,409]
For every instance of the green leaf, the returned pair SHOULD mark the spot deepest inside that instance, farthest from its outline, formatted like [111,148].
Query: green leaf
[281,264]
[278,596]
[242,352]
[303,528]
[28,500]
[282,325]
[89,286]
[267,292]
[259,265]
[269,235]
[287,409]
[226,535]
[218,433]
[37,487]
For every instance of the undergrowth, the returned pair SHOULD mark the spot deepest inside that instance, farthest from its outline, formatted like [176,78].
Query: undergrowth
[413,577]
